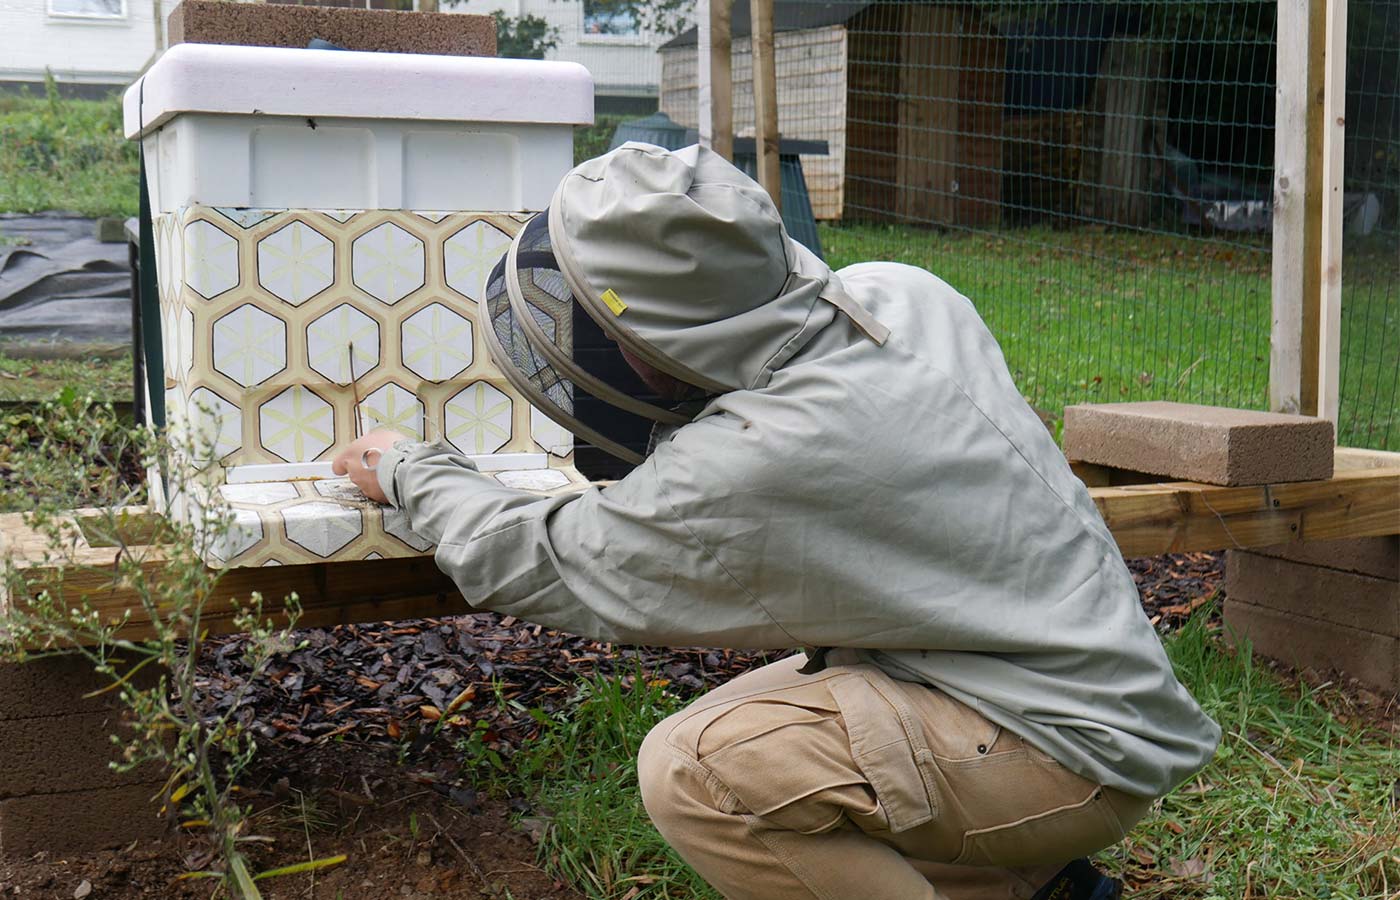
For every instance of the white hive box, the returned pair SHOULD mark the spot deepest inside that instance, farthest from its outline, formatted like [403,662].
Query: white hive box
[236,126]
[324,224]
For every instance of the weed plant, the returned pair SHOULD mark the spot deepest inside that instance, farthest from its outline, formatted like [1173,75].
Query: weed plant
[166,596]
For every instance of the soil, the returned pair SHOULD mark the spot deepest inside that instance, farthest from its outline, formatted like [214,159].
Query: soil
[357,733]
[404,840]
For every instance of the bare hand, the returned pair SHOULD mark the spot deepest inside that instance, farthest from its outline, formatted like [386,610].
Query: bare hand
[367,450]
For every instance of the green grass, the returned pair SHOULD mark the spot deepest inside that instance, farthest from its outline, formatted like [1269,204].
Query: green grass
[580,774]
[1083,316]
[105,379]
[65,154]
[1295,806]
[1102,317]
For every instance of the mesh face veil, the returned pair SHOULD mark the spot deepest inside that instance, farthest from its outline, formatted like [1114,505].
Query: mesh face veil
[531,309]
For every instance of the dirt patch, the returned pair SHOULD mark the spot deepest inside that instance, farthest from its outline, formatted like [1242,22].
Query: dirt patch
[403,837]
[359,731]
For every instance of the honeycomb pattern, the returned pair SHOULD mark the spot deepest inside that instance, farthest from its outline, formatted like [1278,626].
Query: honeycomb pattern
[388,316]
[289,522]
[295,263]
[288,332]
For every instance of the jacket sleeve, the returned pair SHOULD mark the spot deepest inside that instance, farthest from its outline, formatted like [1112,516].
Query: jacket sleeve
[612,564]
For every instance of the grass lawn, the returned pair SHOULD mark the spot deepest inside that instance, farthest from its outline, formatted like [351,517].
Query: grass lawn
[1081,315]
[64,154]
[1301,802]
[1102,317]
[34,380]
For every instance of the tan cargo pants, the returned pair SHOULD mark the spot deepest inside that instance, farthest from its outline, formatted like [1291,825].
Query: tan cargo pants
[849,785]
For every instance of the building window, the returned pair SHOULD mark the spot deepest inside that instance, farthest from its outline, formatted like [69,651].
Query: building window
[88,9]
[609,17]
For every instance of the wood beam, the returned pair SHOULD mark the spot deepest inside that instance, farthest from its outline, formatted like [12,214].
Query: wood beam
[1361,500]
[765,101]
[1298,206]
[1333,144]
[722,77]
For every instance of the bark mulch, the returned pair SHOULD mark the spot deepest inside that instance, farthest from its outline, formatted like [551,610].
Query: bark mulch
[417,685]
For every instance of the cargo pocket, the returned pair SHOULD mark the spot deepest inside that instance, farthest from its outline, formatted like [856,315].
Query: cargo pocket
[783,757]
[1067,832]
[887,745]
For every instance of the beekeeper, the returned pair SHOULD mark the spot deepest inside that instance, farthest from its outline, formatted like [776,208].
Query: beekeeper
[843,465]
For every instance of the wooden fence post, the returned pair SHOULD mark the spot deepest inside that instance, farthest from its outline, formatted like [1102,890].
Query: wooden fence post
[765,100]
[715,77]
[1296,355]
[1333,147]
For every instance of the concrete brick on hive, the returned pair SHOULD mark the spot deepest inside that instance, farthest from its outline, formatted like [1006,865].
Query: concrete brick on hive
[78,821]
[1373,659]
[1328,595]
[63,753]
[58,686]
[1209,444]
[281,25]
[1378,557]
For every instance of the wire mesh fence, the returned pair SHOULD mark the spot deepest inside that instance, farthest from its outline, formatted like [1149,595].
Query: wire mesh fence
[1370,370]
[1095,176]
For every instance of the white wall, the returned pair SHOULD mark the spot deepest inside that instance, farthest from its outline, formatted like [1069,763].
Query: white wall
[88,50]
[621,65]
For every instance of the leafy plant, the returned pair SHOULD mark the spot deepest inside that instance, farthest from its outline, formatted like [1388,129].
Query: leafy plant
[158,565]
[524,37]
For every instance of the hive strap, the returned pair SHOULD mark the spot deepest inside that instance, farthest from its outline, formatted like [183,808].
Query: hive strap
[860,317]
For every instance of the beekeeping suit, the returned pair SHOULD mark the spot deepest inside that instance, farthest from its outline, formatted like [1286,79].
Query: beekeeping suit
[980,697]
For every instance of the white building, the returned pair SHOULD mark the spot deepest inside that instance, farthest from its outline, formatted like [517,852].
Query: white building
[81,41]
[107,42]
[620,54]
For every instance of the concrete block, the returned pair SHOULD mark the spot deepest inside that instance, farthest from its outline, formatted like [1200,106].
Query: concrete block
[62,753]
[1329,595]
[79,821]
[1378,557]
[1209,444]
[57,686]
[279,25]
[1305,642]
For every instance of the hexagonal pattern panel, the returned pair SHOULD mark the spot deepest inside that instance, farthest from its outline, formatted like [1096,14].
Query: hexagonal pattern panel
[184,328]
[297,425]
[392,406]
[295,263]
[477,419]
[268,314]
[386,262]
[396,524]
[533,479]
[211,259]
[470,254]
[250,346]
[321,527]
[244,531]
[258,494]
[343,344]
[211,426]
[550,435]
[436,343]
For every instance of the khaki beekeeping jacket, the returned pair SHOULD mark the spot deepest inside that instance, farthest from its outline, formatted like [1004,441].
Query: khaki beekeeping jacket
[898,498]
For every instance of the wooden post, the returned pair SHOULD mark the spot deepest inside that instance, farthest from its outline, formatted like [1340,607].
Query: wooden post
[722,77]
[1333,144]
[1298,206]
[765,100]
[704,111]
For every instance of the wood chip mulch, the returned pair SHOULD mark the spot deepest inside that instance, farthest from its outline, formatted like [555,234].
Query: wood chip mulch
[419,685]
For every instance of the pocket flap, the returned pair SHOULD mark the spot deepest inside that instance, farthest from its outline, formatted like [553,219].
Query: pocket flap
[888,748]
